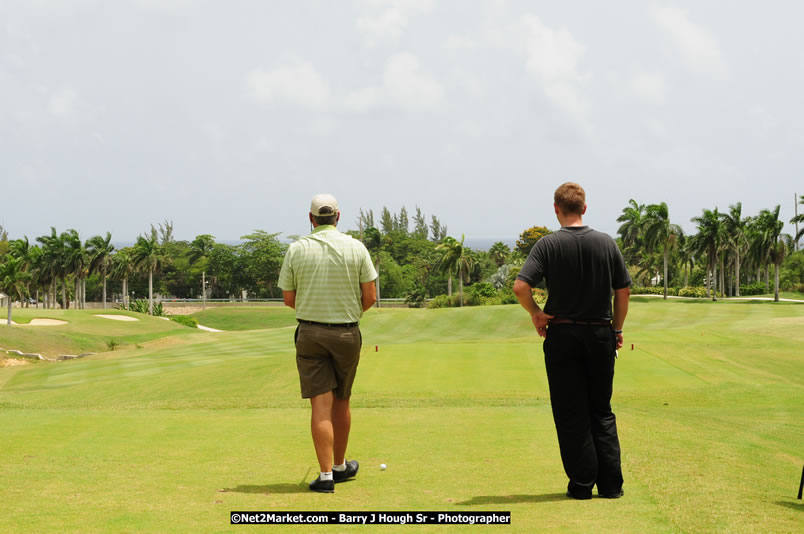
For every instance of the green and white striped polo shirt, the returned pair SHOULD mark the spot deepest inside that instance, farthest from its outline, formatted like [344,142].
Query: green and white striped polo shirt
[326,269]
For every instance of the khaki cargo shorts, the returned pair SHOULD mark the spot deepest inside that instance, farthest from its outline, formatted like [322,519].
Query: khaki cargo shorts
[327,358]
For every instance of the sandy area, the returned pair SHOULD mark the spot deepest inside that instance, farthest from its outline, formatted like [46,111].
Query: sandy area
[117,317]
[11,362]
[208,329]
[43,322]
[182,310]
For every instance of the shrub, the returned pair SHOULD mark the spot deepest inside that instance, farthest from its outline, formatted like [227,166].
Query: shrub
[482,289]
[648,290]
[416,298]
[112,344]
[692,291]
[141,306]
[757,288]
[443,301]
[507,296]
[185,320]
[654,290]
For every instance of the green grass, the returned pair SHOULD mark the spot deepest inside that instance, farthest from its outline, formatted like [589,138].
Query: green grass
[795,295]
[84,332]
[172,437]
[246,318]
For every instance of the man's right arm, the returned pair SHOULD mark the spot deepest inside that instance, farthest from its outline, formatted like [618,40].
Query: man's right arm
[621,297]
[290,298]
[368,294]
[524,295]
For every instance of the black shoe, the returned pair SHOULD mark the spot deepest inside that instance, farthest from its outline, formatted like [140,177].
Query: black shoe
[322,486]
[584,497]
[350,472]
[613,495]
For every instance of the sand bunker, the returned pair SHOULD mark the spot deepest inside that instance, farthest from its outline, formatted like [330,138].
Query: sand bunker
[11,362]
[208,329]
[118,317]
[45,322]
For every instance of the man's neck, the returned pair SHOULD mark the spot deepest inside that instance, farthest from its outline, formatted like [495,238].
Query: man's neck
[570,220]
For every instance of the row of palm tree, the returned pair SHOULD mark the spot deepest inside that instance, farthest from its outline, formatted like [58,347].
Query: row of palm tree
[725,242]
[29,270]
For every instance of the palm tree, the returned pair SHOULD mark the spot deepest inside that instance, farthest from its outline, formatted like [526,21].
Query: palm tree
[147,254]
[686,255]
[77,262]
[631,218]
[37,270]
[100,252]
[200,249]
[799,218]
[770,234]
[373,240]
[54,257]
[708,240]
[13,279]
[659,233]
[499,252]
[122,269]
[734,227]
[455,257]
[21,248]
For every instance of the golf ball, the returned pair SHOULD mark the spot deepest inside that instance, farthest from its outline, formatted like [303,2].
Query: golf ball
[383,466]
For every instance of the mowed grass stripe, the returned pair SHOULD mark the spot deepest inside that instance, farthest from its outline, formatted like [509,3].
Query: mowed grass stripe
[708,408]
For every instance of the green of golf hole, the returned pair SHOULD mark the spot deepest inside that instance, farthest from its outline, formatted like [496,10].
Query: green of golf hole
[174,436]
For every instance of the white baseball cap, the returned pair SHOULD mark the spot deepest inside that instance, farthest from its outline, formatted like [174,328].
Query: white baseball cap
[324,204]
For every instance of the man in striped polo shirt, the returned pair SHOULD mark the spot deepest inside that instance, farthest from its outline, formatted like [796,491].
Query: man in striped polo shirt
[328,278]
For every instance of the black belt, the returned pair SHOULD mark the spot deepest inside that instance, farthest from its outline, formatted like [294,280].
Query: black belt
[559,320]
[337,325]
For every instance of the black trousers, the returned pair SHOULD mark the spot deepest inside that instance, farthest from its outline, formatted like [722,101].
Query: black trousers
[580,370]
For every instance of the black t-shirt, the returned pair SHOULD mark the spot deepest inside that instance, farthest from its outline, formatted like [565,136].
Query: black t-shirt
[580,267]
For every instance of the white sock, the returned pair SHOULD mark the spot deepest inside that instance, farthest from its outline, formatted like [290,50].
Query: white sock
[339,468]
[325,476]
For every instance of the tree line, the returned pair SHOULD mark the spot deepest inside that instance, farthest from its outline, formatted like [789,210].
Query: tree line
[415,257]
[728,252]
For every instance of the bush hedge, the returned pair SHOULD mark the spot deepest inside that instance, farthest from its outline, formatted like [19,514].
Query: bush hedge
[692,291]
[141,306]
[185,320]
[757,288]
[485,295]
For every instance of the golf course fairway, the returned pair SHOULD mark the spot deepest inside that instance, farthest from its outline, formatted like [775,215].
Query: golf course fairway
[178,427]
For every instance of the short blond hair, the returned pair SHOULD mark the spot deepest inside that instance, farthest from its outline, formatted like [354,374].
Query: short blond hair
[570,198]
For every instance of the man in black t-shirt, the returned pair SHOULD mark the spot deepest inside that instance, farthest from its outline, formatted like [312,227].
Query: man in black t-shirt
[581,268]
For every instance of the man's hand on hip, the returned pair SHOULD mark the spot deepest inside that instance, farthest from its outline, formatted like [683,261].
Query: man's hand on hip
[540,320]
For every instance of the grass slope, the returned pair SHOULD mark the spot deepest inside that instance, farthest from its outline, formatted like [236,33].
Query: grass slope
[246,318]
[171,438]
[84,332]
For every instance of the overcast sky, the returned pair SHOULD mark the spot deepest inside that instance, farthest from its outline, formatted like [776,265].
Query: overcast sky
[226,117]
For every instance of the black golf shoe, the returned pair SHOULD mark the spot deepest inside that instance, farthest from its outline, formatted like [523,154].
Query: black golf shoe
[322,486]
[350,472]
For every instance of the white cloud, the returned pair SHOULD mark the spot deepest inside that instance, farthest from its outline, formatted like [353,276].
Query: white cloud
[299,84]
[404,85]
[552,56]
[698,45]
[167,6]
[455,43]
[62,102]
[392,19]
[766,122]
[409,87]
[650,87]
[364,100]
[567,97]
